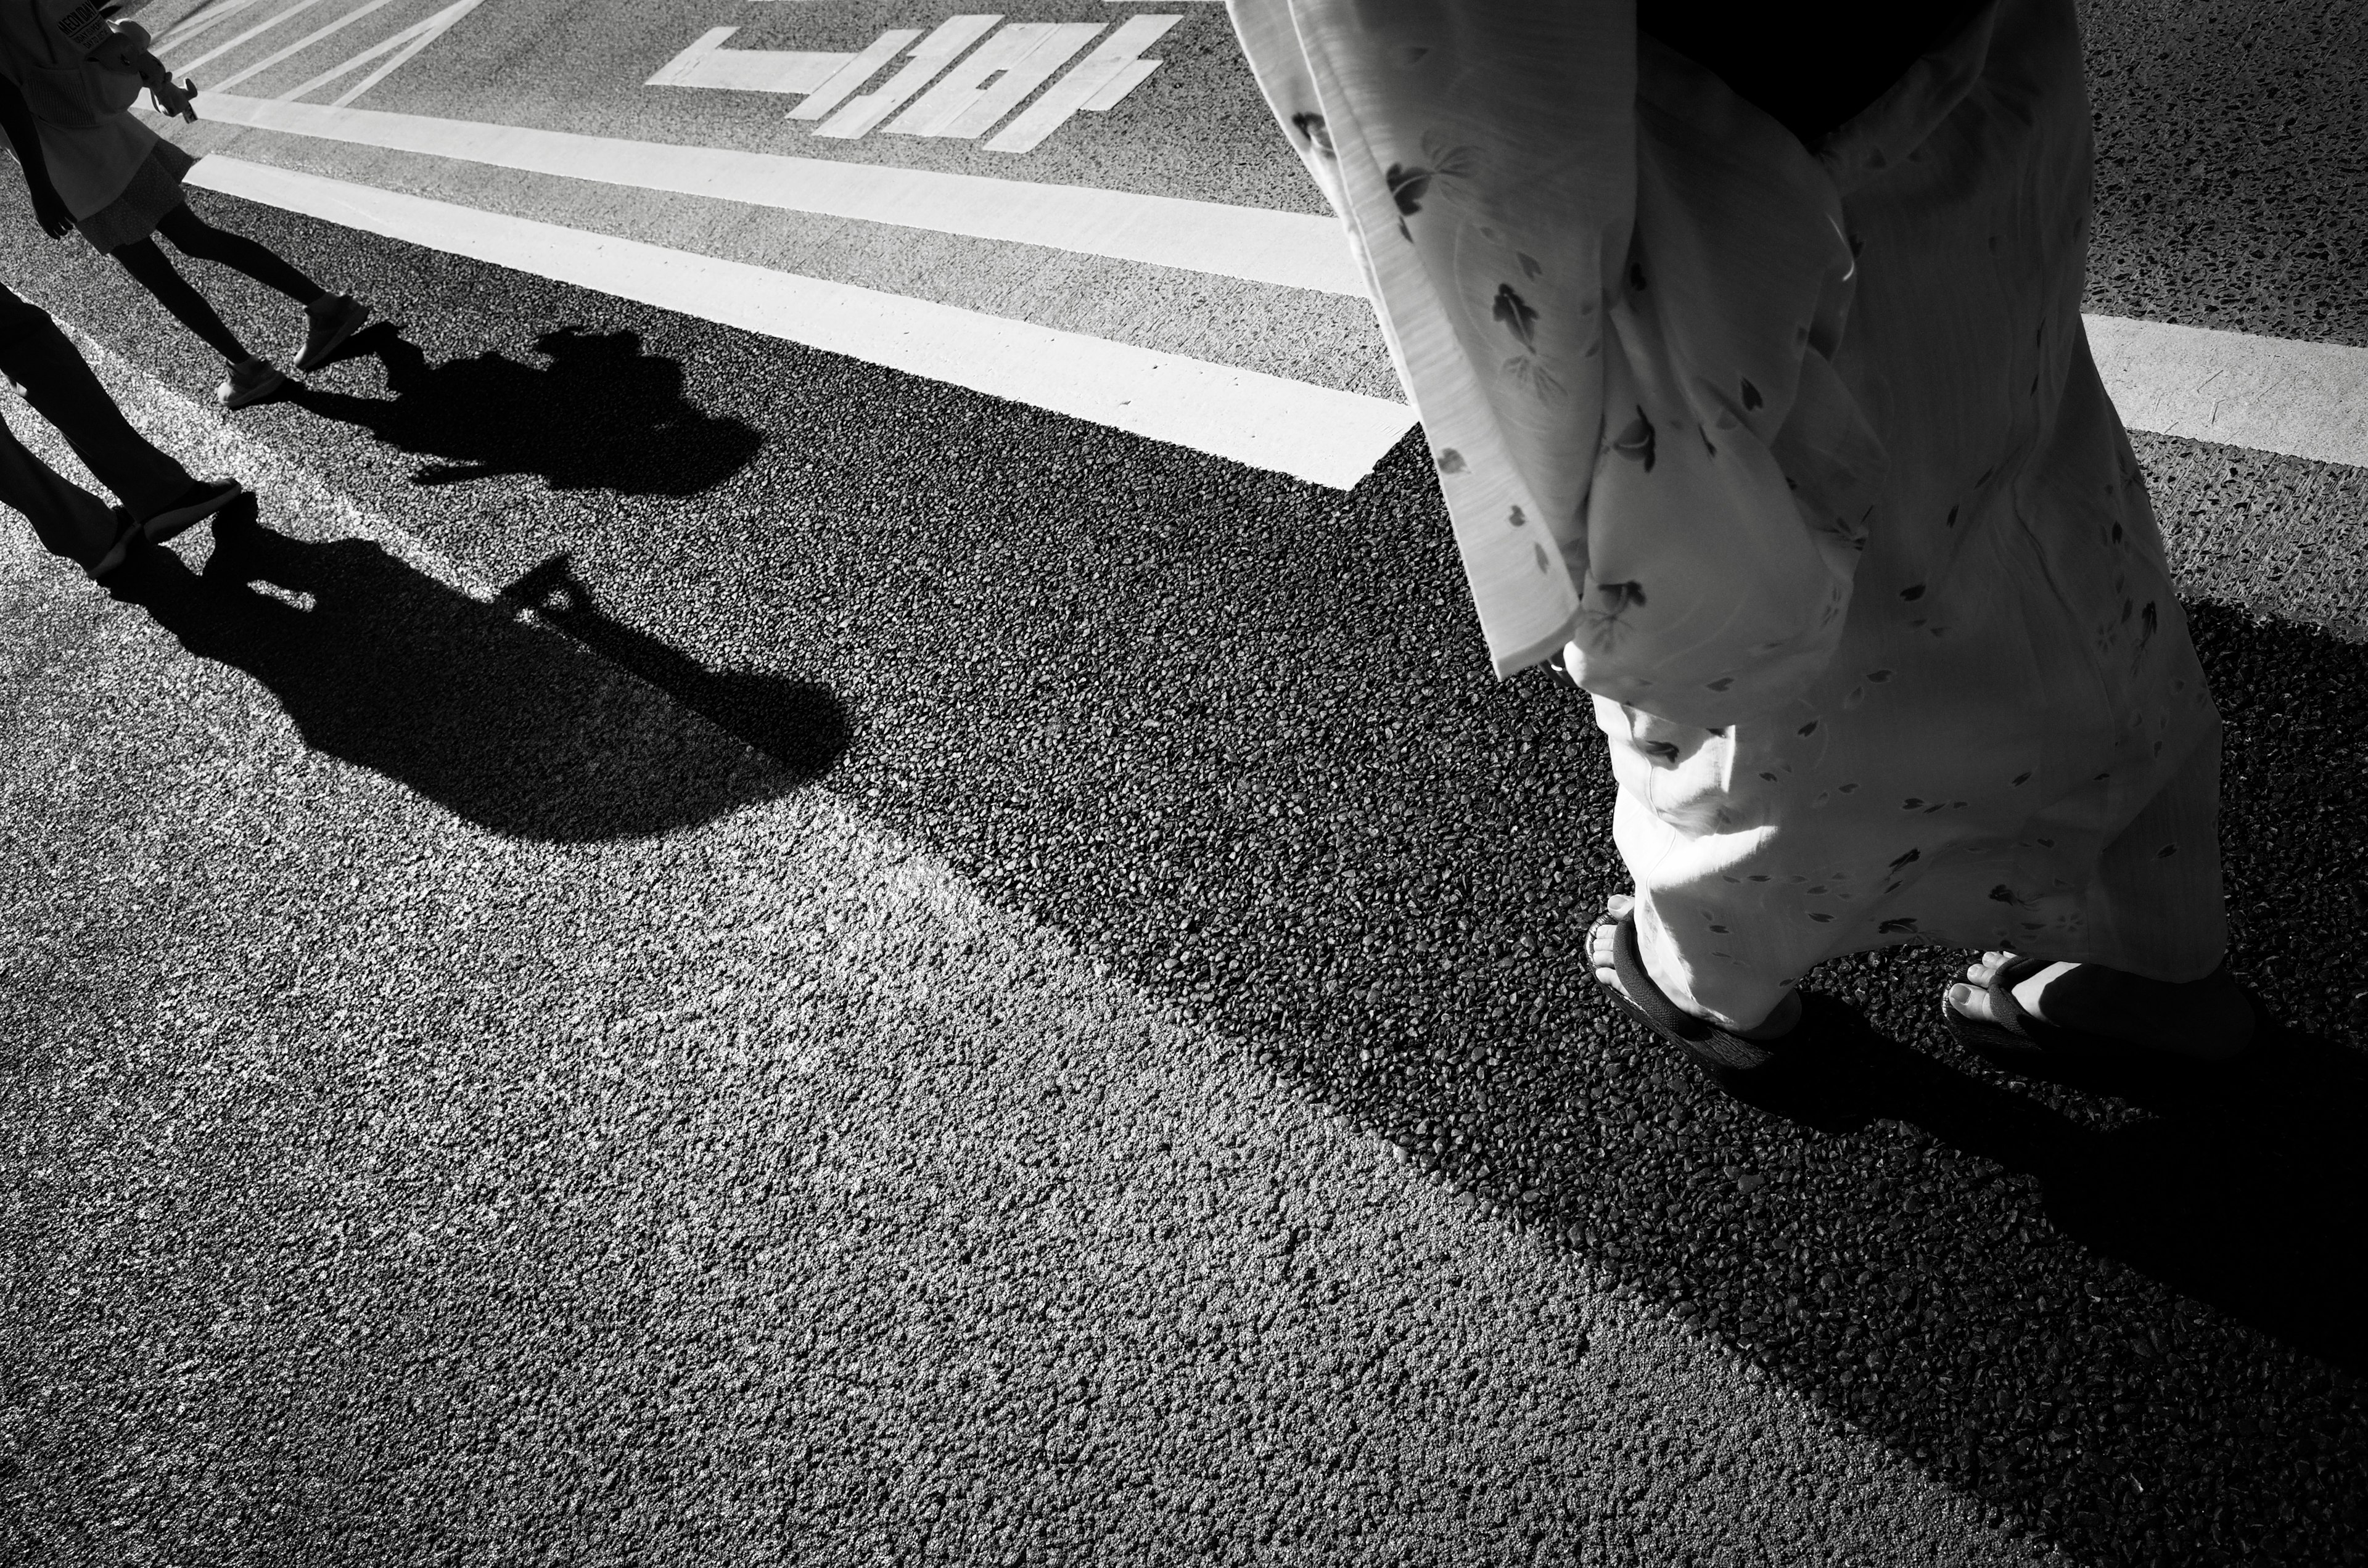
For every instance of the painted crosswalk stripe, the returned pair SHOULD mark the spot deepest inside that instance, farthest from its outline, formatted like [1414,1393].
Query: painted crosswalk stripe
[1311,433]
[2305,400]
[1297,250]
[2302,398]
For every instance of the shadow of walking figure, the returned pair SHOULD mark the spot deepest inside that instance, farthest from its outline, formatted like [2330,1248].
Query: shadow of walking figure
[505,723]
[803,727]
[2244,1187]
[601,415]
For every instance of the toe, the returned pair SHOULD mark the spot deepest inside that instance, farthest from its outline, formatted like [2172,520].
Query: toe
[1972,1002]
[1982,972]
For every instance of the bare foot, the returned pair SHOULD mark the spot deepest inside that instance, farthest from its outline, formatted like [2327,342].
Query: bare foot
[1605,935]
[2208,1019]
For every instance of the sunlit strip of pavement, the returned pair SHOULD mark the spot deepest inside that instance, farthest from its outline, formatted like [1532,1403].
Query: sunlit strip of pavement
[1308,432]
[1005,1160]
[1297,250]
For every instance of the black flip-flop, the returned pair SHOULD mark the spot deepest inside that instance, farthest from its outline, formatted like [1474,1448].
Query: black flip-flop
[1725,1056]
[2022,1039]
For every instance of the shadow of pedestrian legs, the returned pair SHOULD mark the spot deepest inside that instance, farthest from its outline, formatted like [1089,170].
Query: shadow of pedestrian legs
[601,415]
[504,723]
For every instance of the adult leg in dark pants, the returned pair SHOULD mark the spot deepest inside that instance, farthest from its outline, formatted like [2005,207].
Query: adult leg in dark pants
[67,519]
[36,359]
[156,491]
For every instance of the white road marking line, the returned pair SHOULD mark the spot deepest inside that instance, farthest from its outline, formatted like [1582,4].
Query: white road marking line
[1294,249]
[402,46]
[182,32]
[2305,400]
[307,41]
[1311,433]
[182,68]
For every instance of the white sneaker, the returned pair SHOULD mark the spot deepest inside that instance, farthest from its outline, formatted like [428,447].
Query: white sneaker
[334,320]
[251,381]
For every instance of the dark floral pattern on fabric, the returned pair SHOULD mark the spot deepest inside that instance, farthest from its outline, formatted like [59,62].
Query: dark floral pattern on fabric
[1406,188]
[1313,129]
[1520,318]
[1410,183]
[1612,602]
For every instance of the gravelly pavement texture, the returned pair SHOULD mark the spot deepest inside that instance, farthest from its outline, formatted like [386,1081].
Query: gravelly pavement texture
[526,1254]
[2232,176]
[388,1186]
[971,988]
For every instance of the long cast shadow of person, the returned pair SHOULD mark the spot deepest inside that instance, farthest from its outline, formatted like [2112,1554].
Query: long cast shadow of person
[508,724]
[602,414]
[2244,1187]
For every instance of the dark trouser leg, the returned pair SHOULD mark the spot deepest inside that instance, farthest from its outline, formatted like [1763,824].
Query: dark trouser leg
[36,356]
[192,236]
[147,264]
[67,519]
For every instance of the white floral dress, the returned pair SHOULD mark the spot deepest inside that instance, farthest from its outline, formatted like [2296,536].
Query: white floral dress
[1799,462]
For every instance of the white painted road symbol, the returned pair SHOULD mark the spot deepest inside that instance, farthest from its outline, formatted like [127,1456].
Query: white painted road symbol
[972,90]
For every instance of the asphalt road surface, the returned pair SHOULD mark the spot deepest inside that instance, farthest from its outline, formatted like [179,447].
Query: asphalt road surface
[702,952]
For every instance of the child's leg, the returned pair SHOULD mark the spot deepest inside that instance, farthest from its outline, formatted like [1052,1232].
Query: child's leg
[192,236]
[146,262]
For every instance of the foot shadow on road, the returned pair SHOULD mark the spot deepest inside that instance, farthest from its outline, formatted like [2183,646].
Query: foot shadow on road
[602,414]
[505,723]
[2243,1187]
